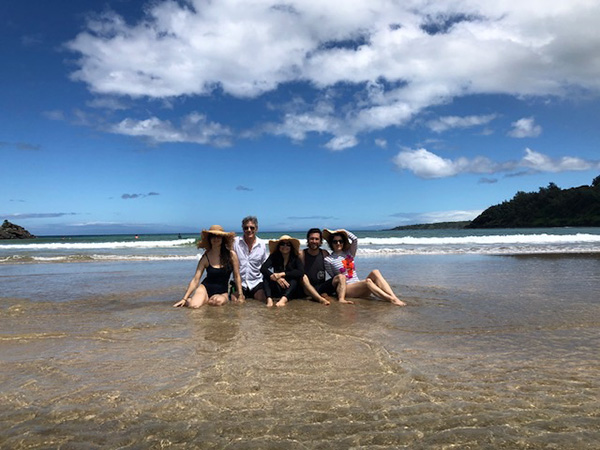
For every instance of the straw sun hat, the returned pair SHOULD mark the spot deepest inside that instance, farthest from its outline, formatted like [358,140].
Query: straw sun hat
[216,230]
[327,235]
[274,243]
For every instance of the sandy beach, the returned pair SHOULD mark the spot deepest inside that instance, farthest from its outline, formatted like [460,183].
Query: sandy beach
[492,352]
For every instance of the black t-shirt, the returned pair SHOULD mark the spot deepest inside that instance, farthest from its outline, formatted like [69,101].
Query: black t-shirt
[314,267]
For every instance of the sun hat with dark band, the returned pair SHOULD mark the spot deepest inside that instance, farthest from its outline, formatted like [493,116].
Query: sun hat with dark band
[215,230]
[274,243]
[328,236]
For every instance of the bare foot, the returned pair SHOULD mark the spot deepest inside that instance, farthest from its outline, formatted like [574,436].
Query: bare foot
[282,302]
[324,301]
[269,302]
[347,302]
[396,301]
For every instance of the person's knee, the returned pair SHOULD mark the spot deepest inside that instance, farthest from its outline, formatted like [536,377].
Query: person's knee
[369,282]
[375,274]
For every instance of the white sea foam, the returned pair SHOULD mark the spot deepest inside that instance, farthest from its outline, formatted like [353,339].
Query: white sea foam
[484,240]
[99,245]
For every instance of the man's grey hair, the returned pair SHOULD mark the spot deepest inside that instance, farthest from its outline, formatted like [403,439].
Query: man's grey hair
[252,219]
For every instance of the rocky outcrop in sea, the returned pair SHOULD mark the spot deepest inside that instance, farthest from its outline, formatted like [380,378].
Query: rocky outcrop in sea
[12,231]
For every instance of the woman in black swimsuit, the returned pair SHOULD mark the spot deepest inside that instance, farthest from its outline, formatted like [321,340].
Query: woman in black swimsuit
[219,261]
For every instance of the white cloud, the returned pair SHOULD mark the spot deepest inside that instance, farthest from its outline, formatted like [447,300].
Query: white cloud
[448,122]
[194,128]
[525,127]
[543,163]
[426,164]
[399,57]
[341,142]
[382,143]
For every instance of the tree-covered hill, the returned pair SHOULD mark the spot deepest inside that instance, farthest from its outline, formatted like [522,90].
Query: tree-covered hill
[550,207]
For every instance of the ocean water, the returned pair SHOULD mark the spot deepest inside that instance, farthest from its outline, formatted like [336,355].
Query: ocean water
[497,348]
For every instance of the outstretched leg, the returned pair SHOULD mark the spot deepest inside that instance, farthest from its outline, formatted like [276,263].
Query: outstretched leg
[310,290]
[382,284]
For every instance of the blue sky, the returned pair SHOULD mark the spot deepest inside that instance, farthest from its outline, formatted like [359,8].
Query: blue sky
[131,116]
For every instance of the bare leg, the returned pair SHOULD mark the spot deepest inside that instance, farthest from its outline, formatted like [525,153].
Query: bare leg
[363,289]
[339,282]
[310,290]
[218,300]
[381,282]
[199,298]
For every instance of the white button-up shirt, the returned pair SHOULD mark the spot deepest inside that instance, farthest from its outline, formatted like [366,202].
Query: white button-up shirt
[250,260]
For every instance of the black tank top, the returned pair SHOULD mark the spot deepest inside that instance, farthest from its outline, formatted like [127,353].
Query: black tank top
[314,267]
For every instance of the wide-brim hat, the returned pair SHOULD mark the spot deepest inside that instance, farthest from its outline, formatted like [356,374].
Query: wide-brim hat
[328,235]
[216,230]
[274,243]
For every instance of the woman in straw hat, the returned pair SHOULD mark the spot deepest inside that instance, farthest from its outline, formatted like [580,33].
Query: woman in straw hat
[343,246]
[219,261]
[282,270]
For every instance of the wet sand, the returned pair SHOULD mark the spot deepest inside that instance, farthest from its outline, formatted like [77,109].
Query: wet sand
[492,352]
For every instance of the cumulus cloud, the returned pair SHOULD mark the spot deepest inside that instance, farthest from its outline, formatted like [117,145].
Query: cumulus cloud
[193,128]
[426,164]
[525,127]
[448,122]
[398,58]
[341,142]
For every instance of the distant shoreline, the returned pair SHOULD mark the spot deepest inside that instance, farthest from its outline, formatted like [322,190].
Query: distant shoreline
[434,226]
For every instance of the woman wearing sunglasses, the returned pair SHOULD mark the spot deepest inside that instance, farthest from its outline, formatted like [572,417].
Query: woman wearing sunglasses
[343,246]
[282,271]
[219,261]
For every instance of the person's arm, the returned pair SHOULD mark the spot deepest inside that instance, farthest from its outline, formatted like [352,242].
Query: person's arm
[193,285]
[353,243]
[237,278]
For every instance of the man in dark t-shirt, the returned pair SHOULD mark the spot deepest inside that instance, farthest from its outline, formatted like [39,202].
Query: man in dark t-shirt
[314,282]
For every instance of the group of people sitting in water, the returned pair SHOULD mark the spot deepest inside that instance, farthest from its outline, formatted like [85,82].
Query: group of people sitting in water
[279,270]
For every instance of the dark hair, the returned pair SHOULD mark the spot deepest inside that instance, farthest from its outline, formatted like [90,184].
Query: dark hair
[224,252]
[277,258]
[333,236]
[313,231]
[252,219]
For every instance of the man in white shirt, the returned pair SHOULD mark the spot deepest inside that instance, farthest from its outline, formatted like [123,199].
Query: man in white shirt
[252,252]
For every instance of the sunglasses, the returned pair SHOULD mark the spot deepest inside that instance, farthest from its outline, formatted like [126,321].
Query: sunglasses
[337,241]
[249,228]
[285,244]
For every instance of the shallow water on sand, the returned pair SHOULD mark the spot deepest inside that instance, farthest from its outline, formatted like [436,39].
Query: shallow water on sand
[492,352]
